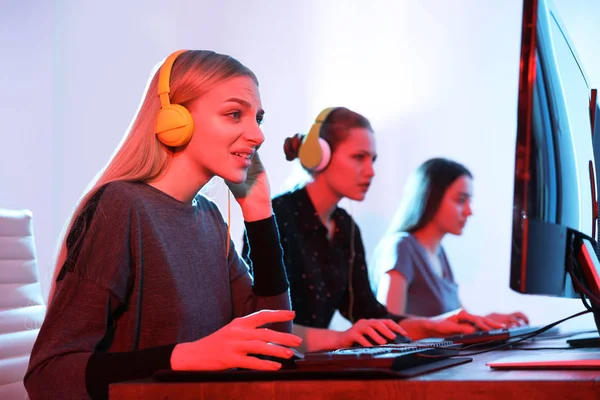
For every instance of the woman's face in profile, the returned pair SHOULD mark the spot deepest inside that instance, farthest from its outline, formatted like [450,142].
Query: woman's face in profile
[455,207]
[350,172]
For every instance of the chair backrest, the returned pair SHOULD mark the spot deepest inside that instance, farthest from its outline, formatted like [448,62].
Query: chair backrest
[22,306]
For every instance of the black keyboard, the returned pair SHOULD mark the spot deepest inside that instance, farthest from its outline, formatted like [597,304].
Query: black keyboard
[495,335]
[389,356]
[391,361]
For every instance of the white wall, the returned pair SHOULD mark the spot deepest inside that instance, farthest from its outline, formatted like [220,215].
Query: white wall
[437,78]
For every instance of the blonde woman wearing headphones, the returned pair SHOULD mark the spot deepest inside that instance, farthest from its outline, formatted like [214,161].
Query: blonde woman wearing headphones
[147,277]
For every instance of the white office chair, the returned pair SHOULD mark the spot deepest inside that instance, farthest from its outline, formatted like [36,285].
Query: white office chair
[22,307]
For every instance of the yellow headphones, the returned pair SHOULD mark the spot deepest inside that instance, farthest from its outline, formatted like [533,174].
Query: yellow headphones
[174,124]
[315,152]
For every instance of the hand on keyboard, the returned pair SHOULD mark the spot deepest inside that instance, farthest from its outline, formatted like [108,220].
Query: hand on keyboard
[478,322]
[460,323]
[399,339]
[370,332]
[510,320]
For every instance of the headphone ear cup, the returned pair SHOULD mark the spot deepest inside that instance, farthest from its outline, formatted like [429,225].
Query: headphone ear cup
[325,156]
[174,125]
[310,152]
[315,152]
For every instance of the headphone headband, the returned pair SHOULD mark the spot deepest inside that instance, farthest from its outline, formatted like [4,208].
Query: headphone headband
[324,114]
[164,78]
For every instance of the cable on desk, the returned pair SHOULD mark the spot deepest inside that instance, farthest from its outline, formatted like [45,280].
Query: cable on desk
[461,352]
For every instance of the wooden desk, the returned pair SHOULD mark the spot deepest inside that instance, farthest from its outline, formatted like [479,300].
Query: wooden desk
[473,380]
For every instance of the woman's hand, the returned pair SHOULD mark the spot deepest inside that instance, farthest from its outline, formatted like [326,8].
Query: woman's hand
[380,330]
[477,322]
[254,195]
[510,320]
[461,323]
[230,346]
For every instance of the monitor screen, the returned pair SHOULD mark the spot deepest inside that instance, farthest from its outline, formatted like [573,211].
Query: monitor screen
[555,180]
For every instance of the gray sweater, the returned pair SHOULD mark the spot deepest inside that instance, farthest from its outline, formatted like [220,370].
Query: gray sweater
[143,273]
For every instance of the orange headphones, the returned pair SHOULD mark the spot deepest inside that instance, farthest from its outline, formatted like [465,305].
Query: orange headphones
[315,152]
[174,124]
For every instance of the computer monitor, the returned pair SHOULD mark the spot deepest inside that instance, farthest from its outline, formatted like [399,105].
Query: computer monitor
[555,220]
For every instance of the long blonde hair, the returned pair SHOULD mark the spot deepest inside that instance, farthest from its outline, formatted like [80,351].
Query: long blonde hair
[140,156]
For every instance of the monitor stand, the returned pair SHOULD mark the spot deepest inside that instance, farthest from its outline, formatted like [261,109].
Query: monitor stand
[588,266]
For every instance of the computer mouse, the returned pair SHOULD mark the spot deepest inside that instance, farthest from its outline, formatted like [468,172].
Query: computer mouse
[285,362]
[399,339]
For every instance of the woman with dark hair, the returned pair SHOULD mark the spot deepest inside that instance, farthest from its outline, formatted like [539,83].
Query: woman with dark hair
[323,249]
[412,272]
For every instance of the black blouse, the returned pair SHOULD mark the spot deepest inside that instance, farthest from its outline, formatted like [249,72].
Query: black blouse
[318,268]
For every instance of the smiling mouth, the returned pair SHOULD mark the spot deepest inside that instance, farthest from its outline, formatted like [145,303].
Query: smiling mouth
[245,156]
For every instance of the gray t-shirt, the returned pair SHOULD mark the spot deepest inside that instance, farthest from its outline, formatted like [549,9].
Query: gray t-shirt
[143,273]
[429,294]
